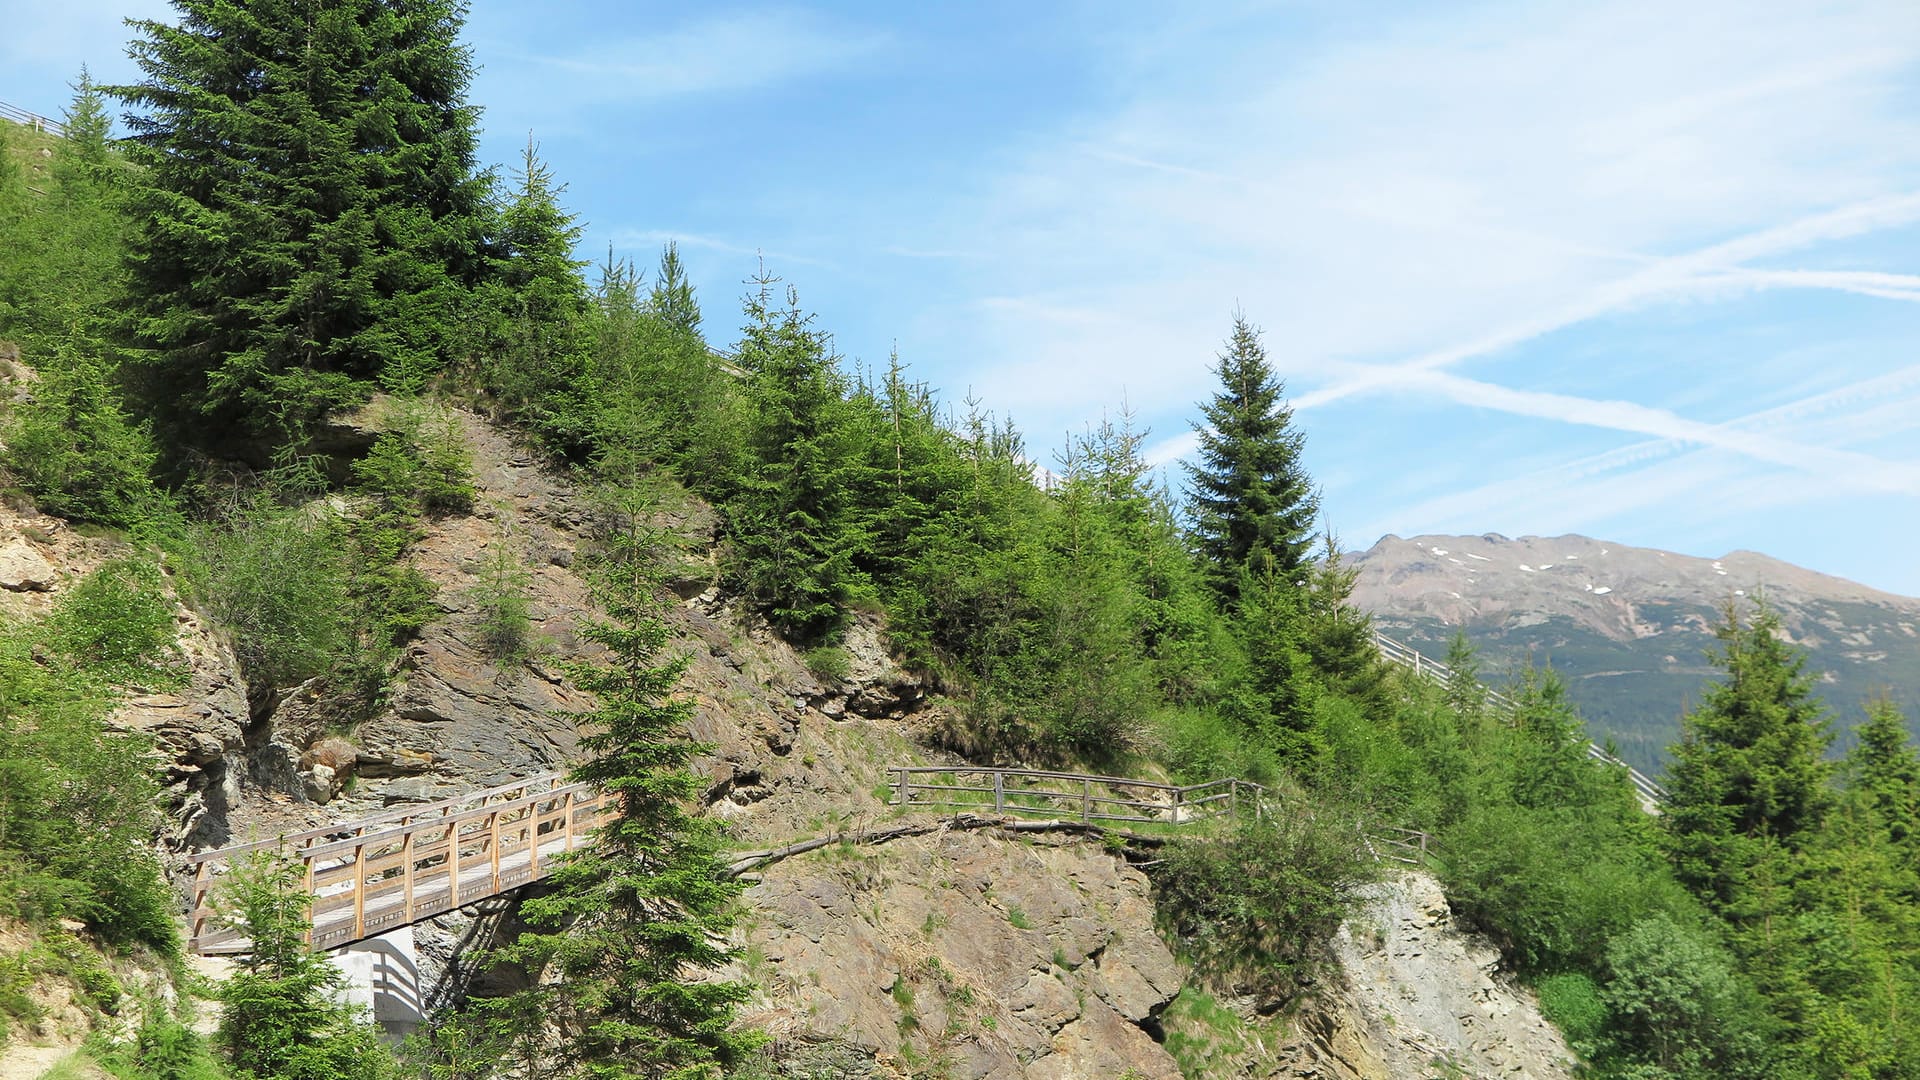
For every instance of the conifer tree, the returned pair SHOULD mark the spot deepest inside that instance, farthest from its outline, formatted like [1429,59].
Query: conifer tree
[311,215]
[281,1015]
[1885,768]
[85,149]
[638,920]
[1465,692]
[64,266]
[1252,502]
[1277,701]
[535,353]
[794,520]
[672,297]
[1748,772]
[1339,637]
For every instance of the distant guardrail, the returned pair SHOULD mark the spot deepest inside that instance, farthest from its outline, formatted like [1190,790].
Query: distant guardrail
[1080,796]
[1651,794]
[32,119]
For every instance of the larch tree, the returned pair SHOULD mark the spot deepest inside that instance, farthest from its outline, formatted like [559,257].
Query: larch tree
[1252,503]
[311,218]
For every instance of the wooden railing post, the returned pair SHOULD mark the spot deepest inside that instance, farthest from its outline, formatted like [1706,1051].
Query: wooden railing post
[493,840]
[1086,801]
[406,873]
[533,839]
[453,864]
[308,938]
[999,792]
[1177,819]
[202,884]
[903,794]
[360,891]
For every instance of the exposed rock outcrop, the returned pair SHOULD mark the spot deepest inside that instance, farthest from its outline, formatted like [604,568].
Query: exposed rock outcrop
[1416,996]
[987,957]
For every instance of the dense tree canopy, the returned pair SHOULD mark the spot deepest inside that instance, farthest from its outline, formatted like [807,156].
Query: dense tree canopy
[311,217]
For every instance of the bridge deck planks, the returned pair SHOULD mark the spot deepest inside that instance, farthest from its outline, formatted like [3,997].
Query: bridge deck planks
[396,868]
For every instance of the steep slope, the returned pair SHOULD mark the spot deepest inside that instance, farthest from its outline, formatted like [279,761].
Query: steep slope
[961,953]
[1630,627]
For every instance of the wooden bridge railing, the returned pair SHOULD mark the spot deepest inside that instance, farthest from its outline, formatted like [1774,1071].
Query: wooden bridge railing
[1651,794]
[389,870]
[1077,796]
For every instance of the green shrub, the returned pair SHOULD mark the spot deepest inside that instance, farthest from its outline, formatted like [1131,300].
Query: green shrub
[276,578]
[1257,905]
[421,464]
[1679,1003]
[501,603]
[70,957]
[1201,745]
[16,978]
[75,449]
[1573,1004]
[77,804]
[829,662]
[118,621]
[163,1048]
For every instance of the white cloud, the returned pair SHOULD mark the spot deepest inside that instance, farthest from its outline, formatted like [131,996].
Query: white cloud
[1710,269]
[1479,177]
[653,239]
[1700,475]
[709,54]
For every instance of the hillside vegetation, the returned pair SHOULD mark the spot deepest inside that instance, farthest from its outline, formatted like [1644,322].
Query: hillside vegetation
[298,223]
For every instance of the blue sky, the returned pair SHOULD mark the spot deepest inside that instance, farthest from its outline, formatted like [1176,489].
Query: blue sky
[1642,271]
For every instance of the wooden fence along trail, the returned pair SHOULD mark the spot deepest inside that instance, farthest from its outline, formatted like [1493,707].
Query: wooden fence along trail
[1073,796]
[396,868]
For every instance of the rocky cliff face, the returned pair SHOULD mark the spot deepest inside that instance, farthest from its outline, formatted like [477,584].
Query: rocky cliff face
[1630,627]
[959,953]
[967,955]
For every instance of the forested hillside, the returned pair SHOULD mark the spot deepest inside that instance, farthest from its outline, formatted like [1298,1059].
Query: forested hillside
[297,224]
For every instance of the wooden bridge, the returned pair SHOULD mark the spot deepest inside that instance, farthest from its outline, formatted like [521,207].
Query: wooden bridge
[393,869]
[1651,794]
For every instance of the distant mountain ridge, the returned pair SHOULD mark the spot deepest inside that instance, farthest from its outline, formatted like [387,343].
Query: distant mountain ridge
[1629,627]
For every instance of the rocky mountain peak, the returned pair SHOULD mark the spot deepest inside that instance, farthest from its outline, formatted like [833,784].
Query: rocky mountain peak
[1631,627]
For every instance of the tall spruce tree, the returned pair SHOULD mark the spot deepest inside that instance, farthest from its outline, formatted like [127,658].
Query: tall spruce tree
[311,215]
[1747,778]
[672,296]
[1885,769]
[1252,502]
[637,922]
[535,349]
[795,523]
